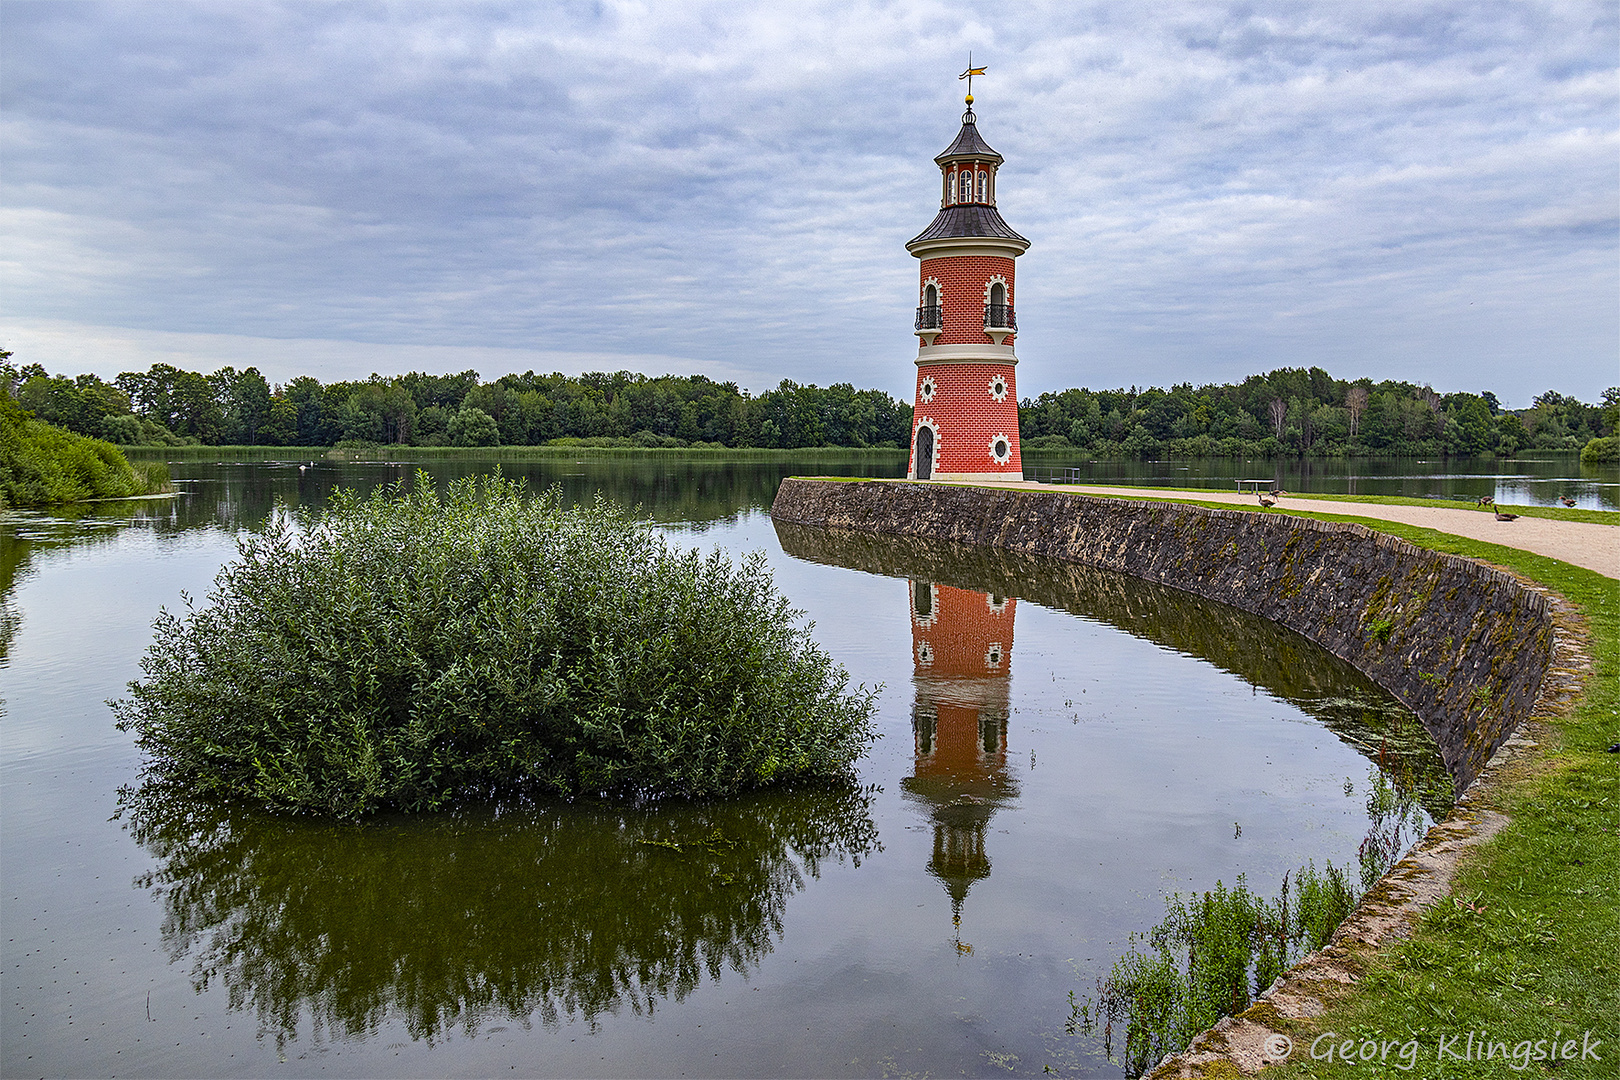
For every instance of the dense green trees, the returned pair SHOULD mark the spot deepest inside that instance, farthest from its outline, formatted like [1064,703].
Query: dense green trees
[42,464]
[165,404]
[1299,412]
[1287,412]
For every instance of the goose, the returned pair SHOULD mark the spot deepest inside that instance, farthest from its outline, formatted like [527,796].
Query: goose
[1505,517]
[1566,500]
[1485,500]
[1267,500]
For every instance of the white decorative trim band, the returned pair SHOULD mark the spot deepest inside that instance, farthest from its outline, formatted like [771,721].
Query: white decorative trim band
[978,245]
[966,354]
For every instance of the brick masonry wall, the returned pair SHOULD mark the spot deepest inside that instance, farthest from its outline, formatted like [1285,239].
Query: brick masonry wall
[1461,644]
[966,418]
[962,281]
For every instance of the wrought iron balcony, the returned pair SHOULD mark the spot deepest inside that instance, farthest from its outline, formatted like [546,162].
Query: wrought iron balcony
[930,317]
[999,317]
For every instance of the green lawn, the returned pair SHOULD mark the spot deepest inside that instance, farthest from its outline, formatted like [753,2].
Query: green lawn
[1529,946]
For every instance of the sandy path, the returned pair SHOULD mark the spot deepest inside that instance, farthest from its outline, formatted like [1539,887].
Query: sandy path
[1594,547]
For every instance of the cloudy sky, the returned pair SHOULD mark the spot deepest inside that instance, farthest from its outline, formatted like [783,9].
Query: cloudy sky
[1427,191]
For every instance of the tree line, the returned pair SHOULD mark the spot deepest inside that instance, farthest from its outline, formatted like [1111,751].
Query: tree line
[1286,412]
[168,405]
[1299,412]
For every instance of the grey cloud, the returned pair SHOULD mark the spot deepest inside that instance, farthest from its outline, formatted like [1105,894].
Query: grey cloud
[1419,191]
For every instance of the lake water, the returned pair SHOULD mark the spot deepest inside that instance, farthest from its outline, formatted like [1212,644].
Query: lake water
[1537,481]
[1061,749]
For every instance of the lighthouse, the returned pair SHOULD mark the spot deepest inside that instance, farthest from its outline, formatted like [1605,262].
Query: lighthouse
[965,419]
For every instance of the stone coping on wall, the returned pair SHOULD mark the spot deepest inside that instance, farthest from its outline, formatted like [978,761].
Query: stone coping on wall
[1475,651]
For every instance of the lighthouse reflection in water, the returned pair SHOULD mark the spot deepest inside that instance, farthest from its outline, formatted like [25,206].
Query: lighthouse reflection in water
[961,645]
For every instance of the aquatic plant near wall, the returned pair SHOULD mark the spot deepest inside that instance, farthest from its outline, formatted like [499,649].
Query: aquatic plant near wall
[405,651]
[1214,951]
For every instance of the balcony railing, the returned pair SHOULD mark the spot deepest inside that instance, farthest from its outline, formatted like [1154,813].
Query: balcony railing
[999,317]
[930,317]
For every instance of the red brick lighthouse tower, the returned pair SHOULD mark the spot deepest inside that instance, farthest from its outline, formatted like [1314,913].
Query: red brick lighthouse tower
[965,421]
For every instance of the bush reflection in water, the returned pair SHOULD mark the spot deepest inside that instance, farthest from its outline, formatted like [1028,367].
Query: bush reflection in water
[555,911]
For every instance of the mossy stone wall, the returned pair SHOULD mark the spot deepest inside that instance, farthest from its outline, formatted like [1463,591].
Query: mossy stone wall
[1463,645]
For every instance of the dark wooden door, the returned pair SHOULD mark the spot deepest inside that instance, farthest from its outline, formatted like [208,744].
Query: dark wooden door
[925,452]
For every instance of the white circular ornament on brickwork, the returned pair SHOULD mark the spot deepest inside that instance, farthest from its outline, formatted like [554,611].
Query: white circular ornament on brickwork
[1000,450]
[998,387]
[992,656]
[927,390]
[925,653]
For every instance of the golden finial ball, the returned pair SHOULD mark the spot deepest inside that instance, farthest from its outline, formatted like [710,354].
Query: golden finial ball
[968,99]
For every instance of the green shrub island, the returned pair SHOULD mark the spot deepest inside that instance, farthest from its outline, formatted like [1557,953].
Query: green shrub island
[404,651]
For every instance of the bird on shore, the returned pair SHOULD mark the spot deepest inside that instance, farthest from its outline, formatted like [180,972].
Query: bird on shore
[1566,500]
[1505,517]
[1277,493]
[1267,500]
[1485,500]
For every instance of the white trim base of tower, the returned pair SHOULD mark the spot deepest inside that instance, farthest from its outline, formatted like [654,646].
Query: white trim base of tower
[969,477]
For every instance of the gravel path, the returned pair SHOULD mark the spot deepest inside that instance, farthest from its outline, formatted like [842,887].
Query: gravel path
[1594,547]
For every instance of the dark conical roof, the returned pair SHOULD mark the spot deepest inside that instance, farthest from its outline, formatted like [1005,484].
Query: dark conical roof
[968,143]
[968,220]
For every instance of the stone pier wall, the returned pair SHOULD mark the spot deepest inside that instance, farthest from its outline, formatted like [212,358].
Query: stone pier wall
[1463,645]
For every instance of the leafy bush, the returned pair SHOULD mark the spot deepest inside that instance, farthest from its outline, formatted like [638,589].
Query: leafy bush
[405,650]
[1601,451]
[41,464]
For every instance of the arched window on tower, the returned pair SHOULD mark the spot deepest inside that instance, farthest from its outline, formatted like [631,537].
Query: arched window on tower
[965,186]
[998,313]
[984,186]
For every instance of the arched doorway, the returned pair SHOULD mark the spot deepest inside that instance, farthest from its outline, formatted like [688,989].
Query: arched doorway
[925,452]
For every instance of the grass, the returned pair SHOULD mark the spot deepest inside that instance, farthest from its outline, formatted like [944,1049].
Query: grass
[1529,943]
[1528,946]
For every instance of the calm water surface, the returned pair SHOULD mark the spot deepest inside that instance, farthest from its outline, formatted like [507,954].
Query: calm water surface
[1061,748]
[1539,481]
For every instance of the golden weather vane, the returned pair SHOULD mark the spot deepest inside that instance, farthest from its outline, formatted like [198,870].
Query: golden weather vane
[968,75]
